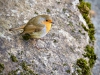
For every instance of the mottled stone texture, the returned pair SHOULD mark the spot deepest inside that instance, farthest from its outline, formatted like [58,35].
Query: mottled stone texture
[59,50]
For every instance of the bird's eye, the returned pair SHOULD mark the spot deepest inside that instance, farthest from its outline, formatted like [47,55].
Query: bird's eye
[46,20]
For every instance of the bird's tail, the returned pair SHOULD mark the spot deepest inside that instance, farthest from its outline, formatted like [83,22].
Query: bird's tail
[18,28]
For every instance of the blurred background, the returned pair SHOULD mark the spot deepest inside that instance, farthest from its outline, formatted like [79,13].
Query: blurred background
[96,21]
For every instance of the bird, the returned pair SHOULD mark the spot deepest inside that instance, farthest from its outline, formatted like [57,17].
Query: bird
[36,27]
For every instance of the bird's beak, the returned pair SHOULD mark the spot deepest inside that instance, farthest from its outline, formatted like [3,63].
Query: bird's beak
[52,22]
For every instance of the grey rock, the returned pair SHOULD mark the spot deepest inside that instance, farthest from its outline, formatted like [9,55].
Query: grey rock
[62,46]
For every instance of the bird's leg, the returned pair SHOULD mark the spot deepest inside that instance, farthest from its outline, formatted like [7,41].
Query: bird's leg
[35,43]
[45,39]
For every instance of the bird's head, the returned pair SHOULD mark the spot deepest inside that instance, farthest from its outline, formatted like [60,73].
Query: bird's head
[47,21]
[47,18]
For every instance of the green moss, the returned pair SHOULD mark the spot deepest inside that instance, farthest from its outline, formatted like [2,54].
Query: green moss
[58,2]
[21,73]
[13,73]
[91,34]
[55,41]
[27,70]
[80,0]
[24,66]
[90,54]
[26,36]
[90,25]
[36,13]
[48,10]
[1,67]
[79,71]
[80,31]
[13,58]
[81,63]
[73,73]
[70,23]
[64,64]
[88,5]
[83,66]
[91,31]
[68,71]
[87,19]
[84,8]
[64,10]
[53,34]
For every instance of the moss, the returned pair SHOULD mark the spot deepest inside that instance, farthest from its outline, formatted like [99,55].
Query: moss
[13,73]
[91,31]
[36,13]
[51,72]
[27,70]
[13,58]
[90,25]
[79,71]
[58,2]
[1,67]
[64,64]
[91,34]
[84,8]
[73,74]
[83,66]
[73,30]
[87,19]
[55,41]
[24,66]
[26,36]
[81,63]
[68,71]
[21,73]
[90,54]
[53,34]
[80,31]
[64,10]
[48,10]
[80,0]
[88,5]
[21,52]
[70,23]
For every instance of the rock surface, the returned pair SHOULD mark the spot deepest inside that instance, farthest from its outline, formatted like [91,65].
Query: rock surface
[61,47]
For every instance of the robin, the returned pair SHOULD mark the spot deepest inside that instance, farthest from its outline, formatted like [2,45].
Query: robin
[37,27]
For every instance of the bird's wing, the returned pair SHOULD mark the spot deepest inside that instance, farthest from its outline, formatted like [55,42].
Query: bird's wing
[32,28]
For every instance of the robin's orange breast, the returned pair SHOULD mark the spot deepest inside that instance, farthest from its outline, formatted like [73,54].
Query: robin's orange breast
[48,26]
